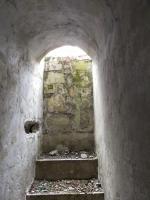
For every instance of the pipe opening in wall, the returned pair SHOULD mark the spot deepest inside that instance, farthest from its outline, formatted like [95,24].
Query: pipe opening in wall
[31,126]
[68,100]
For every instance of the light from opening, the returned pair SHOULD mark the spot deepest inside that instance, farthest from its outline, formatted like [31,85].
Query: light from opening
[67,51]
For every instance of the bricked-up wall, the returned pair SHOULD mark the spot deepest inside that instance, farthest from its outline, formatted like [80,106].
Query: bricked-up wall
[68,103]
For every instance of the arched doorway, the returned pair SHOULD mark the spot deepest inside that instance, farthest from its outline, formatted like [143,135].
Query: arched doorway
[68,101]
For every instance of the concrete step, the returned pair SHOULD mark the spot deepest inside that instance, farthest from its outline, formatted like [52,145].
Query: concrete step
[81,196]
[65,190]
[59,169]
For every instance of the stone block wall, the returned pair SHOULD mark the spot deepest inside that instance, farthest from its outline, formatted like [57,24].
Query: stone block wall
[68,103]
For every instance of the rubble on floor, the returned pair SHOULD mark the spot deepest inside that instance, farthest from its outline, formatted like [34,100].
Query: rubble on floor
[55,154]
[66,186]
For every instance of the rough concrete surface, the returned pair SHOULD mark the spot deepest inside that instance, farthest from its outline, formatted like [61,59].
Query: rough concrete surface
[19,101]
[47,169]
[90,196]
[116,35]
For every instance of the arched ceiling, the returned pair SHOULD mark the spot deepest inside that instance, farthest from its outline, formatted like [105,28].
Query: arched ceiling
[72,35]
[47,24]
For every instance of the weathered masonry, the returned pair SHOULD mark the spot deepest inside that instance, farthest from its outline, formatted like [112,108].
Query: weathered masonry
[116,35]
[68,104]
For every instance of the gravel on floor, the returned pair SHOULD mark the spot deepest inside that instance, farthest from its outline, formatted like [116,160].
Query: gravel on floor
[66,186]
[68,155]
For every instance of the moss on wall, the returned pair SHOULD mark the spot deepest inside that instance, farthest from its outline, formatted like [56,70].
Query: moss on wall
[68,96]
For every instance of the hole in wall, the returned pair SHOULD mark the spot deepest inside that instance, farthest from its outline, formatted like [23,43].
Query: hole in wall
[31,126]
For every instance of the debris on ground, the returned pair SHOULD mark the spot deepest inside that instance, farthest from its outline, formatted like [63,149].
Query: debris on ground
[83,155]
[67,154]
[53,153]
[98,184]
[66,186]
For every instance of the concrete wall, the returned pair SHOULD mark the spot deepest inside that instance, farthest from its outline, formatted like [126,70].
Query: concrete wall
[117,33]
[20,99]
[68,104]
[122,107]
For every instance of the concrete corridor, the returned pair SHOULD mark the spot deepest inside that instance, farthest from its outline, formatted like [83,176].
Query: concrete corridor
[116,35]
